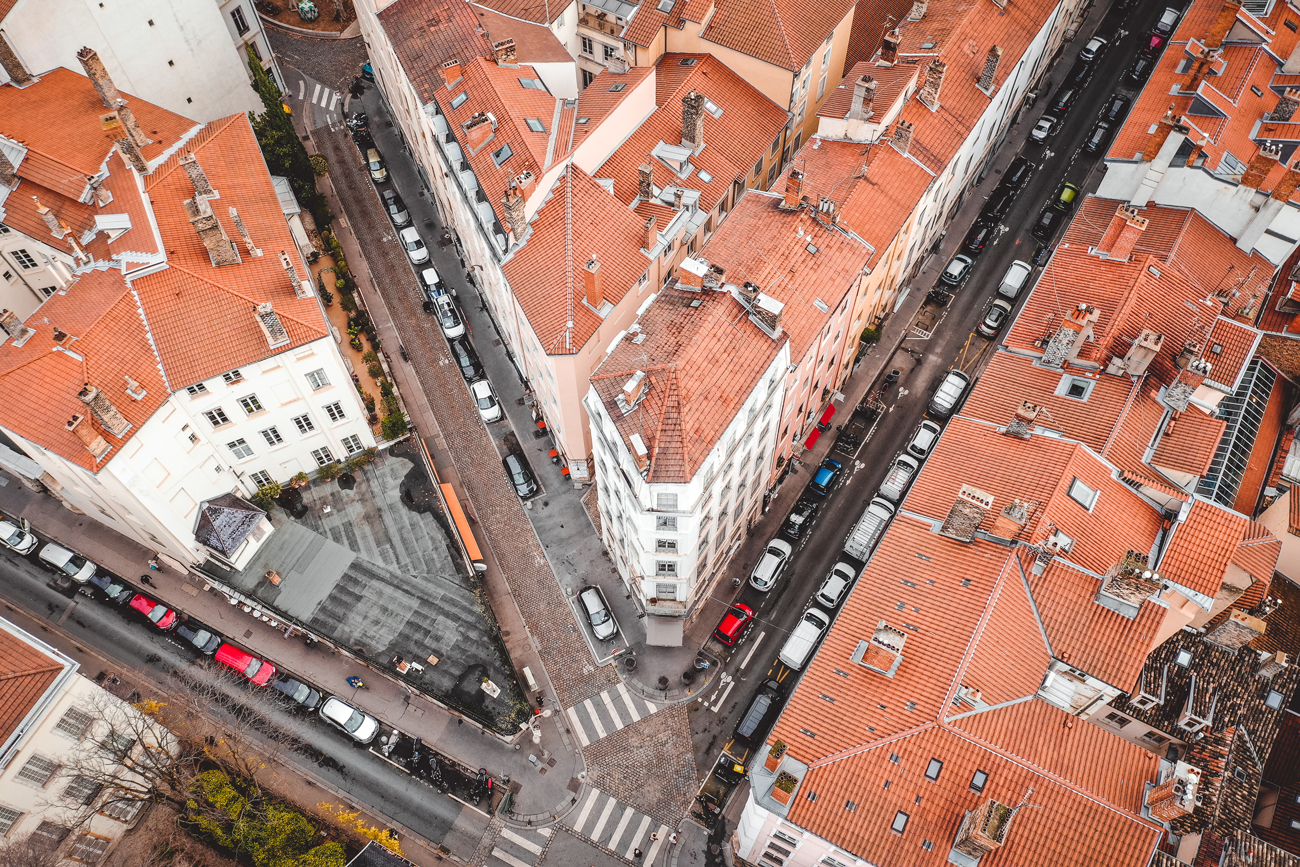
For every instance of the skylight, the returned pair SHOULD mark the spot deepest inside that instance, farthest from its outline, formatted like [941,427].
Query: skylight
[617,88]
[665,5]
[536,125]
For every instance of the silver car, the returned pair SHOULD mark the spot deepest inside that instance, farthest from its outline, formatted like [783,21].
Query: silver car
[68,563]
[602,622]
[359,725]
[16,538]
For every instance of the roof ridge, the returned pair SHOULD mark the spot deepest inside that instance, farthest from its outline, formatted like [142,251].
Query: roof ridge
[780,29]
[203,136]
[229,291]
[871,745]
[28,672]
[994,595]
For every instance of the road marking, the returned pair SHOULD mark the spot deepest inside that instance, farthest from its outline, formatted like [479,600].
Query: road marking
[723,697]
[509,859]
[315,93]
[659,841]
[650,706]
[586,809]
[347,102]
[577,725]
[334,103]
[609,705]
[627,700]
[757,642]
[302,88]
[522,841]
[595,720]
[636,838]
[545,832]
[604,817]
[622,826]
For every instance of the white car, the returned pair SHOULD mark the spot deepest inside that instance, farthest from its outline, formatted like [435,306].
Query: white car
[926,436]
[603,625]
[770,565]
[488,408]
[66,562]
[361,726]
[832,590]
[433,284]
[1043,130]
[414,245]
[448,316]
[16,538]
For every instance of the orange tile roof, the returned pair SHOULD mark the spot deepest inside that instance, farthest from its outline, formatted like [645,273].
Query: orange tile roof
[890,82]
[1257,554]
[784,33]
[597,100]
[1187,442]
[427,33]
[28,674]
[646,23]
[870,20]
[1201,546]
[534,41]
[527,10]
[1236,344]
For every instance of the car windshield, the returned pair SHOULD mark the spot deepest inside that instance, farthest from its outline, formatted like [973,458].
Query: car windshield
[15,537]
[955,267]
[254,666]
[354,722]
[158,612]
[412,243]
[201,637]
[485,402]
[599,617]
[774,555]
[299,694]
[376,163]
[75,564]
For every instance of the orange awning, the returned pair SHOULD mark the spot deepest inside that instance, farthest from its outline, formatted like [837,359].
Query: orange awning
[462,525]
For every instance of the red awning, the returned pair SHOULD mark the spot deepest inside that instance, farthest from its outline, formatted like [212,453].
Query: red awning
[812,438]
[830,411]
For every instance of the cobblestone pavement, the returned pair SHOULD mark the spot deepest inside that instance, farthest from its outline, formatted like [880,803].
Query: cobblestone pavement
[649,764]
[334,63]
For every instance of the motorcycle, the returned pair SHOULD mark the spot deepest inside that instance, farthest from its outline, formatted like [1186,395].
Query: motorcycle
[414,764]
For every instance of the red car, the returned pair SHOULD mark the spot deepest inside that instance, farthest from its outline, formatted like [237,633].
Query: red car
[249,666]
[162,616]
[735,623]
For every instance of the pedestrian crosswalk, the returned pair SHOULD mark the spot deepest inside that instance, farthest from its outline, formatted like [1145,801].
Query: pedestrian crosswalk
[613,709]
[617,827]
[325,97]
[521,847]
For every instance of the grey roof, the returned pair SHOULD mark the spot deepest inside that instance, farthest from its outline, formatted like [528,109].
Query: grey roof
[288,202]
[225,522]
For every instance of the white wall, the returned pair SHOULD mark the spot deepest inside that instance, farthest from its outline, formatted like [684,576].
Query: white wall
[24,288]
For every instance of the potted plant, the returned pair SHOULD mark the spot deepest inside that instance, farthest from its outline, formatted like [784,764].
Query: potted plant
[330,471]
[783,788]
[299,480]
[774,755]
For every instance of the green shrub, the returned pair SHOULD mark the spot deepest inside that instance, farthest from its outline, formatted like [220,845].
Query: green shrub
[319,165]
[332,470]
[347,302]
[385,388]
[871,335]
[265,496]
[376,372]
[394,425]
[355,342]
[370,357]
[391,405]
[369,401]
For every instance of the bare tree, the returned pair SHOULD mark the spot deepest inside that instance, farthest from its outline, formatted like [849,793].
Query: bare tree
[31,851]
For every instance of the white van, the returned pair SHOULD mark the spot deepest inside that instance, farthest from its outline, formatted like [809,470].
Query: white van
[1014,280]
[799,646]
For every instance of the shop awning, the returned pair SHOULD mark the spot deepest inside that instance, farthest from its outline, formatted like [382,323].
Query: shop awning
[826,416]
[812,438]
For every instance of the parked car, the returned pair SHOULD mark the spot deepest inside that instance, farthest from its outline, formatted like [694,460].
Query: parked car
[115,589]
[1116,108]
[751,728]
[1048,222]
[16,538]
[1140,71]
[923,440]
[807,632]
[1063,100]
[770,566]
[68,563]
[298,692]
[255,670]
[1154,43]
[520,476]
[1099,138]
[900,475]
[360,726]
[395,208]
[375,163]
[593,604]
[1095,47]
[825,477]
[949,394]
[432,283]
[1043,255]
[1043,130]
[413,244]
[978,238]
[734,624]
[801,516]
[488,408]
[996,317]
[835,586]
[1168,21]
[160,615]
[1079,74]
[1015,278]
[998,205]
[1066,196]
[448,317]
[465,359]
[1017,173]
[956,271]
[198,636]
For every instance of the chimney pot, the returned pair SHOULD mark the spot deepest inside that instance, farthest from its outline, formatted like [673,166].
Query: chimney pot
[513,204]
[90,438]
[17,73]
[693,121]
[198,178]
[1223,23]
[633,389]
[677,198]
[478,129]
[1168,124]
[793,190]
[451,72]
[593,284]
[505,53]
[889,48]
[211,232]
[918,10]
[1122,235]
[1260,165]
[103,410]
[984,829]
[1022,422]
[966,514]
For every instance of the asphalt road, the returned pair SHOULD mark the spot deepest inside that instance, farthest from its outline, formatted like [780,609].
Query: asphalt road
[953,344]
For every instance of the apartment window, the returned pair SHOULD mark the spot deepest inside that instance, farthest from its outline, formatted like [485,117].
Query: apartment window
[82,790]
[24,259]
[932,770]
[240,448]
[197,389]
[232,377]
[821,87]
[666,546]
[216,417]
[978,781]
[193,438]
[610,52]
[666,523]
[272,436]
[666,502]
[75,723]
[261,478]
[241,23]
[665,591]
[535,124]
[1118,720]
[588,47]
[666,567]
[459,99]
[305,424]
[1083,495]
[826,60]
[47,291]
[8,818]
[317,379]
[899,825]
[118,744]
[335,411]
[1155,738]
[352,444]
[121,809]
[252,46]
[50,833]
[501,154]
[88,848]
[250,404]
[587,78]
[38,770]
[1184,658]
[322,456]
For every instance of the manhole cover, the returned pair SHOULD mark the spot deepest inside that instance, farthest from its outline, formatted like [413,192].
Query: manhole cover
[541,770]
[248,634]
[550,763]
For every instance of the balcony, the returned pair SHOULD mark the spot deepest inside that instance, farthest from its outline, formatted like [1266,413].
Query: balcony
[601,23]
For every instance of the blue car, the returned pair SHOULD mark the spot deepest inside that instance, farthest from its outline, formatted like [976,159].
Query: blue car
[825,478]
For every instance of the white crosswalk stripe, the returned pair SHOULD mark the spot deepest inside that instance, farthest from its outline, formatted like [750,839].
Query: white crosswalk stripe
[613,709]
[507,858]
[517,848]
[618,827]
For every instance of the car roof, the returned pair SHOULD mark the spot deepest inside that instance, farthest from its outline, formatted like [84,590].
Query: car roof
[409,232]
[480,387]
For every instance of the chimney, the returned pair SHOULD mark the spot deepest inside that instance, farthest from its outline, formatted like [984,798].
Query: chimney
[103,410]
[1128,584]
[966,514]
[984,829]
[17,73]
[639,453]
[56,228]
[677,198]
[592,283]
[211,232]
[198,178]
[1011,520]
[864,97]
[1219,29]
[1069,338]
[253,250]
[1201,66]
[1167,125]
[651,236]
[929,95]
[889,48]
[1237,631]
[505,53]
[13,328]
[1180,392]
[693,121]
[451,72]
[1125,228]
[478,129]
[1286,187]
[793,190]
[828,207]
[1273,664]
[749,292]
[90,438]
[99,77]
[884,652]
[8,174]
[272,328]
[634,389]
[645,183]
[1286,106]
[301,287]
[918,10]
[513,204]
[1022,423]
[1177,796]
[1260,165]
[903,137]
[990,71]
[1141,353]
[133,156]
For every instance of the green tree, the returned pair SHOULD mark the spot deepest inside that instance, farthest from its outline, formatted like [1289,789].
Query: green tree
[394,425]
[281,147]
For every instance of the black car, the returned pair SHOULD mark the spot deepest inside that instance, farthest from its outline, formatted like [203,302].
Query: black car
[752,728]
[1063,100]
[801,517]
[520,476]
[465,358]
[1078,75]
[978,237]
[298,692]
[114,589]
[1141,69]
[1116,108]
[198,636]
[1042,255]
[1099,137]
[1016,174]
[1048,222]
[998,205]
[395,207]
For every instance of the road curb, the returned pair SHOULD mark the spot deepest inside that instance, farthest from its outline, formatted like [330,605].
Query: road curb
[302,31]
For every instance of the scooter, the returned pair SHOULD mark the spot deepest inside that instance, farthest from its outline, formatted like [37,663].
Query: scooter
[414,765]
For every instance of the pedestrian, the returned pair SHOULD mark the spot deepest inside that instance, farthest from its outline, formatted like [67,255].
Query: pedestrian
[153,564]
[672,838]
[654,836]
[147,581]
[636,853]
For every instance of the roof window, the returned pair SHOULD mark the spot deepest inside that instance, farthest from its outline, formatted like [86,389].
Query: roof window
[583,120]
[459,99]
[811,248]
[1083,495]
[850,806]
[665,6]
[687,61]
[712,108]
[704,176]
[1075,387]
[928,44]
[535,124]
[1184,658]
[531,84]
[617,88]
[978,781]
[501,154]
[932,770]
[899,825]
[1274,699]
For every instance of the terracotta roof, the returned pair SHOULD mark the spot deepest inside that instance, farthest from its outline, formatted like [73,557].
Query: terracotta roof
[1236,346]
[526,10]
[427,33]
[599,99]
[1254,478]
[28,673]
[784,33]
[1187,443]
[890,82]
[1201,545]
[1284,621]
[646,23]
[871,20]
[534,42]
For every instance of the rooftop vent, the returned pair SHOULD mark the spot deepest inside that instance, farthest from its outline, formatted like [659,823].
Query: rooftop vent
[272,327]
[966,514]
[884,652]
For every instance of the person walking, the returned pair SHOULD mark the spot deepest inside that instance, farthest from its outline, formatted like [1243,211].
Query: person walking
[147,581]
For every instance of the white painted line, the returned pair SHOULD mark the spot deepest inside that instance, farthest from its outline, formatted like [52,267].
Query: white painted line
[650,706]
[609,705]
[522,841]
[545,832]
[654,847]
[595,720]
[604,817]
[577,726]
[622,826]
[586,809]
[302,88]
[636,838]
[334,103]
[315,93]
[509,859]
[722,697]
[627,700]
[753,647]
